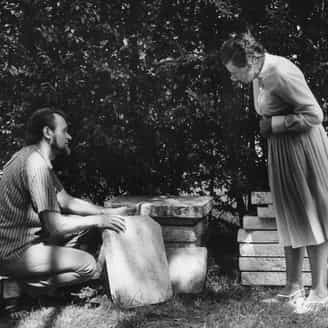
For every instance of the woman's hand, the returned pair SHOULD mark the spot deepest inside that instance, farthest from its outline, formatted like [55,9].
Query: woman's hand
[266,126]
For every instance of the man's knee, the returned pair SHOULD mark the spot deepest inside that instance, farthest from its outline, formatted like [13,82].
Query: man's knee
[87,267]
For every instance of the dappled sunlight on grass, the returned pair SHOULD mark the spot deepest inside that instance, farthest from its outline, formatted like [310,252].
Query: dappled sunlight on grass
[224,303]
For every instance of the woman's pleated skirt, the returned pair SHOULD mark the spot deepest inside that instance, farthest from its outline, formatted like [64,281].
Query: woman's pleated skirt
[298,178]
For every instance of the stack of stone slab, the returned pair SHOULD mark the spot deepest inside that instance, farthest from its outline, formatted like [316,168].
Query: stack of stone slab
[261,259]
[183,220]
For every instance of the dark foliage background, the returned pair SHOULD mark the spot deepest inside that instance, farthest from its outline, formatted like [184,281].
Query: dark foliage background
[151,108]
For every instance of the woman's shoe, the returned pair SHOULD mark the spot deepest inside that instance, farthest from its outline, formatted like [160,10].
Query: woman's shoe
[307,306]
[293,298]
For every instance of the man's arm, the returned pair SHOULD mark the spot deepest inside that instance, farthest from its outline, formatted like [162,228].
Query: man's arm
[57,224]
[73,205]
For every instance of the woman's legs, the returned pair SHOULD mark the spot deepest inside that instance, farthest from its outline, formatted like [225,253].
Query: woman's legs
[318,255]
[294,264]
[294,283]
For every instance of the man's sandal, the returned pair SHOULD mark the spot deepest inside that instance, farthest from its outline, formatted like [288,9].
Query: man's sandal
[292,298]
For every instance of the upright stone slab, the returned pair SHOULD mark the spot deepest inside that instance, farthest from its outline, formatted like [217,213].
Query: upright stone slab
[136,263]
[184,223]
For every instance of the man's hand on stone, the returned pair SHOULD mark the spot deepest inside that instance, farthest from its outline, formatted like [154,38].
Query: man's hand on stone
[112,222]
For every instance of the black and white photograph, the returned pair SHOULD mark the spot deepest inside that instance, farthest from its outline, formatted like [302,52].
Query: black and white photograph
[163,164]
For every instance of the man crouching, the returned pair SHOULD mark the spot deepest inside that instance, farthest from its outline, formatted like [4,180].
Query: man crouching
[40,222]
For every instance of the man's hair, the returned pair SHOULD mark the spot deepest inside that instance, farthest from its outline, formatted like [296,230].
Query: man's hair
[239,48]
[38,120]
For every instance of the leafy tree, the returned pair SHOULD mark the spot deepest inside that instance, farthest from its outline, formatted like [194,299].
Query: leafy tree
[151,108]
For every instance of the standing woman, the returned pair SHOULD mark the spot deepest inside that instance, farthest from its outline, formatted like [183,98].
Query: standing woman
[291,119]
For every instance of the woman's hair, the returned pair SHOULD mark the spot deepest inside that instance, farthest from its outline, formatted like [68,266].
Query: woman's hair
[37,121]
[240,48]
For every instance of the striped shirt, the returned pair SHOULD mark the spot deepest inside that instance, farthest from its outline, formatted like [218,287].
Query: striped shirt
[28,187]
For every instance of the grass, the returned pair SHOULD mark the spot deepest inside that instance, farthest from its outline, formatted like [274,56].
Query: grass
[224,303]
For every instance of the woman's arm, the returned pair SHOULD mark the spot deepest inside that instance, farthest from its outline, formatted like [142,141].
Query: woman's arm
[292,88]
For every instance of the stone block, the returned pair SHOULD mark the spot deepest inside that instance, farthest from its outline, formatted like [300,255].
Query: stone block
[189,234]
[256,223]
[262,250]
[266,211]
[188,268]
[267,264]
[270,278]
[136,263]
[195,207]
[257,236]
[261,198]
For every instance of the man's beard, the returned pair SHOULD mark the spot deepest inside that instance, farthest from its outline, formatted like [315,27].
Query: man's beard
[60,151]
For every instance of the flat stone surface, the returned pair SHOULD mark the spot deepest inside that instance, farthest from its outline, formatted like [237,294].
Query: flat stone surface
[257,236]
[136,263]
[262,250]
[261,197]
[267,264]
[269,278]
[266,211]
[166,206]
[256,223]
